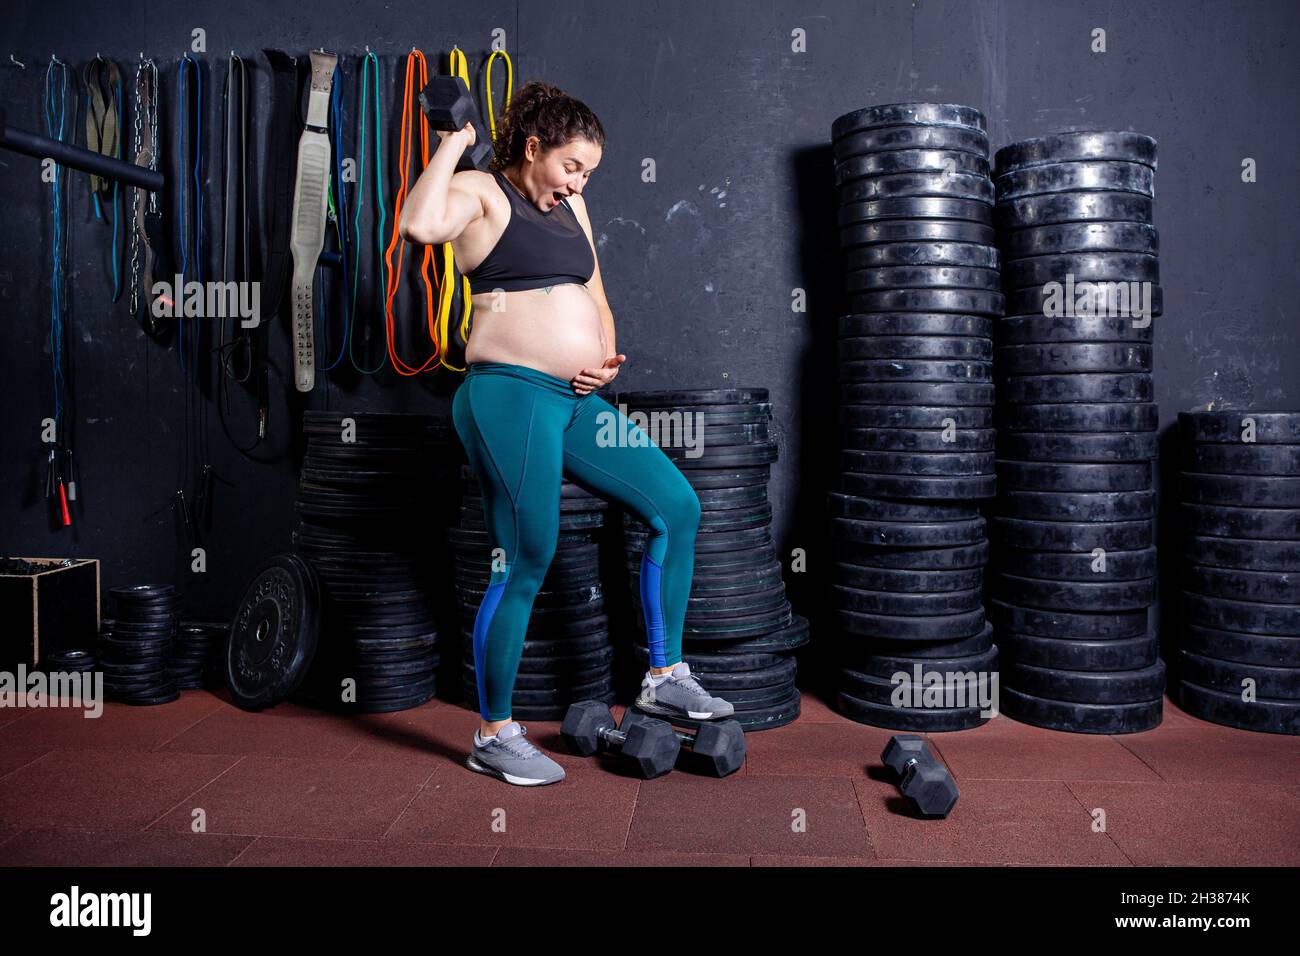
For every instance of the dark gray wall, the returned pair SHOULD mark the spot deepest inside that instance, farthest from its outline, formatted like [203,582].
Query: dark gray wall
[700,283]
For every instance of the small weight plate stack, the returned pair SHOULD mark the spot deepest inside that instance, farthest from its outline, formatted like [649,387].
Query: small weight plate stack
[567,655]
[1239,653]
[740,633]
[916,415]
[1074,563]
[135,653]
[367,507]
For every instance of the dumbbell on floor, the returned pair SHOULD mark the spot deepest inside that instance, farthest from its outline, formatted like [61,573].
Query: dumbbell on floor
[719,746]
[650,747]
[447,104]
[924,781]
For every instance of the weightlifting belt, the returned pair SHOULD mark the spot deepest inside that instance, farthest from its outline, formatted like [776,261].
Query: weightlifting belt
[310,196]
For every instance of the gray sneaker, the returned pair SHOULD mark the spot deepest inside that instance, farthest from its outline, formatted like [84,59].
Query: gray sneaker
[681,696]
[513,759]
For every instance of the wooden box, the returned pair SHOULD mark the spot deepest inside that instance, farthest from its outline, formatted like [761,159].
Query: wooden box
[54,609]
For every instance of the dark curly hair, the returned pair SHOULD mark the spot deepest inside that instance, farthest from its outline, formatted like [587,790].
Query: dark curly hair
[547,112]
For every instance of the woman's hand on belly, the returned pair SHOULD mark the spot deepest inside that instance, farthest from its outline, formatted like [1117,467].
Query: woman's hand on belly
[590,379]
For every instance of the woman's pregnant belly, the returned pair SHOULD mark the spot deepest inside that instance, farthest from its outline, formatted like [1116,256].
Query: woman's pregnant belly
[557,331]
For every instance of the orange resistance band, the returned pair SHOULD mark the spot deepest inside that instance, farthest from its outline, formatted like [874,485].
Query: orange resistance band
[410,117]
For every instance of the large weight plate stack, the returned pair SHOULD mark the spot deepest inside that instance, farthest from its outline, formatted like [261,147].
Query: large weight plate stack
[135,651]
[366,508]
[1239,650]
[1074,562]
[916,416]
[568,655]
[740,634]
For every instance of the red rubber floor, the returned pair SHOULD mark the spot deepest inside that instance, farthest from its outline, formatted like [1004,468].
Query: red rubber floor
[199,781]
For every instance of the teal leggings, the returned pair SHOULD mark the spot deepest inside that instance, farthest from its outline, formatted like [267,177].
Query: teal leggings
[522,430]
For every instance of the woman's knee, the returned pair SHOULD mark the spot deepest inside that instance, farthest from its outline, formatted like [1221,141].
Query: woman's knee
[680,510]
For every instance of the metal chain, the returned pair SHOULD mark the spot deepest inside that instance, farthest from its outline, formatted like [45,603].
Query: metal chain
[135,202]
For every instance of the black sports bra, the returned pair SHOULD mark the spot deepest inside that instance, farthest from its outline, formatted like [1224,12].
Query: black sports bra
[536,249]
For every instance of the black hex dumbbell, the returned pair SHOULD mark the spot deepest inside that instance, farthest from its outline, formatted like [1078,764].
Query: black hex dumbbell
[717,746]
[650,747]
[924,781]
[447,104]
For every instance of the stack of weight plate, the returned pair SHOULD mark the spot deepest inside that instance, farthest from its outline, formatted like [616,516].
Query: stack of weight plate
[364,506]
[568,655]
[199,656]
[1074,557]
[916,412]
[739,635]
[1240,514]
[135,655]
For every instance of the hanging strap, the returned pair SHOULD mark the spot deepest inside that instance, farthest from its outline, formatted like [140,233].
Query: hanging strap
[103,85]
[382,218]
[310,196]
[417,77]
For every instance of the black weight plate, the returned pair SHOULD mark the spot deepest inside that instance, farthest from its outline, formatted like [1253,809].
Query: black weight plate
[1078,146]
[1250,617]
[1246,555]
[926,394]
[915,185]
[903,581]
[274,634]
[1080,417]
[749,625]
[911,136]
[1262,649]
[915,347]
[692,397]
[1078,446]
[768,717]
[910,114]
[902,691]
[887,666]
[1064,566]
[1083,266]
[895,161]
[858,652]
[1044,623]
[1087,687]
[920,487]
[903,534]
[906,605]
[915,370]
[1264,428]
[962,254]
[784,640]
[729,499]
[1098,176]
[1073,477]
[1086,388]
[945,464]
[1087,596]
[1081,718]
[1276,683]
[720,541]
[917,439]
[939,627]
[1060,358]
[910,512]
[729,477]
[1242,459]
[1086,506]
[933,209]
[1128,653]
[913,559]
[915,323]
[1269,587]
[1226,521]
[724,458]
[1137,237]
[1047,329]
[888,278]
[1055,208]
[1136,301]
[1071,536]
[857,229]
[900,417]
[961,301]
[1261,714]
[922,720]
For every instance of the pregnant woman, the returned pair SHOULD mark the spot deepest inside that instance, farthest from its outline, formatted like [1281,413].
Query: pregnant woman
[542,342]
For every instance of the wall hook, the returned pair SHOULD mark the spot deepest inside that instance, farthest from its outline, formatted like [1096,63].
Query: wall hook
[21,66]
